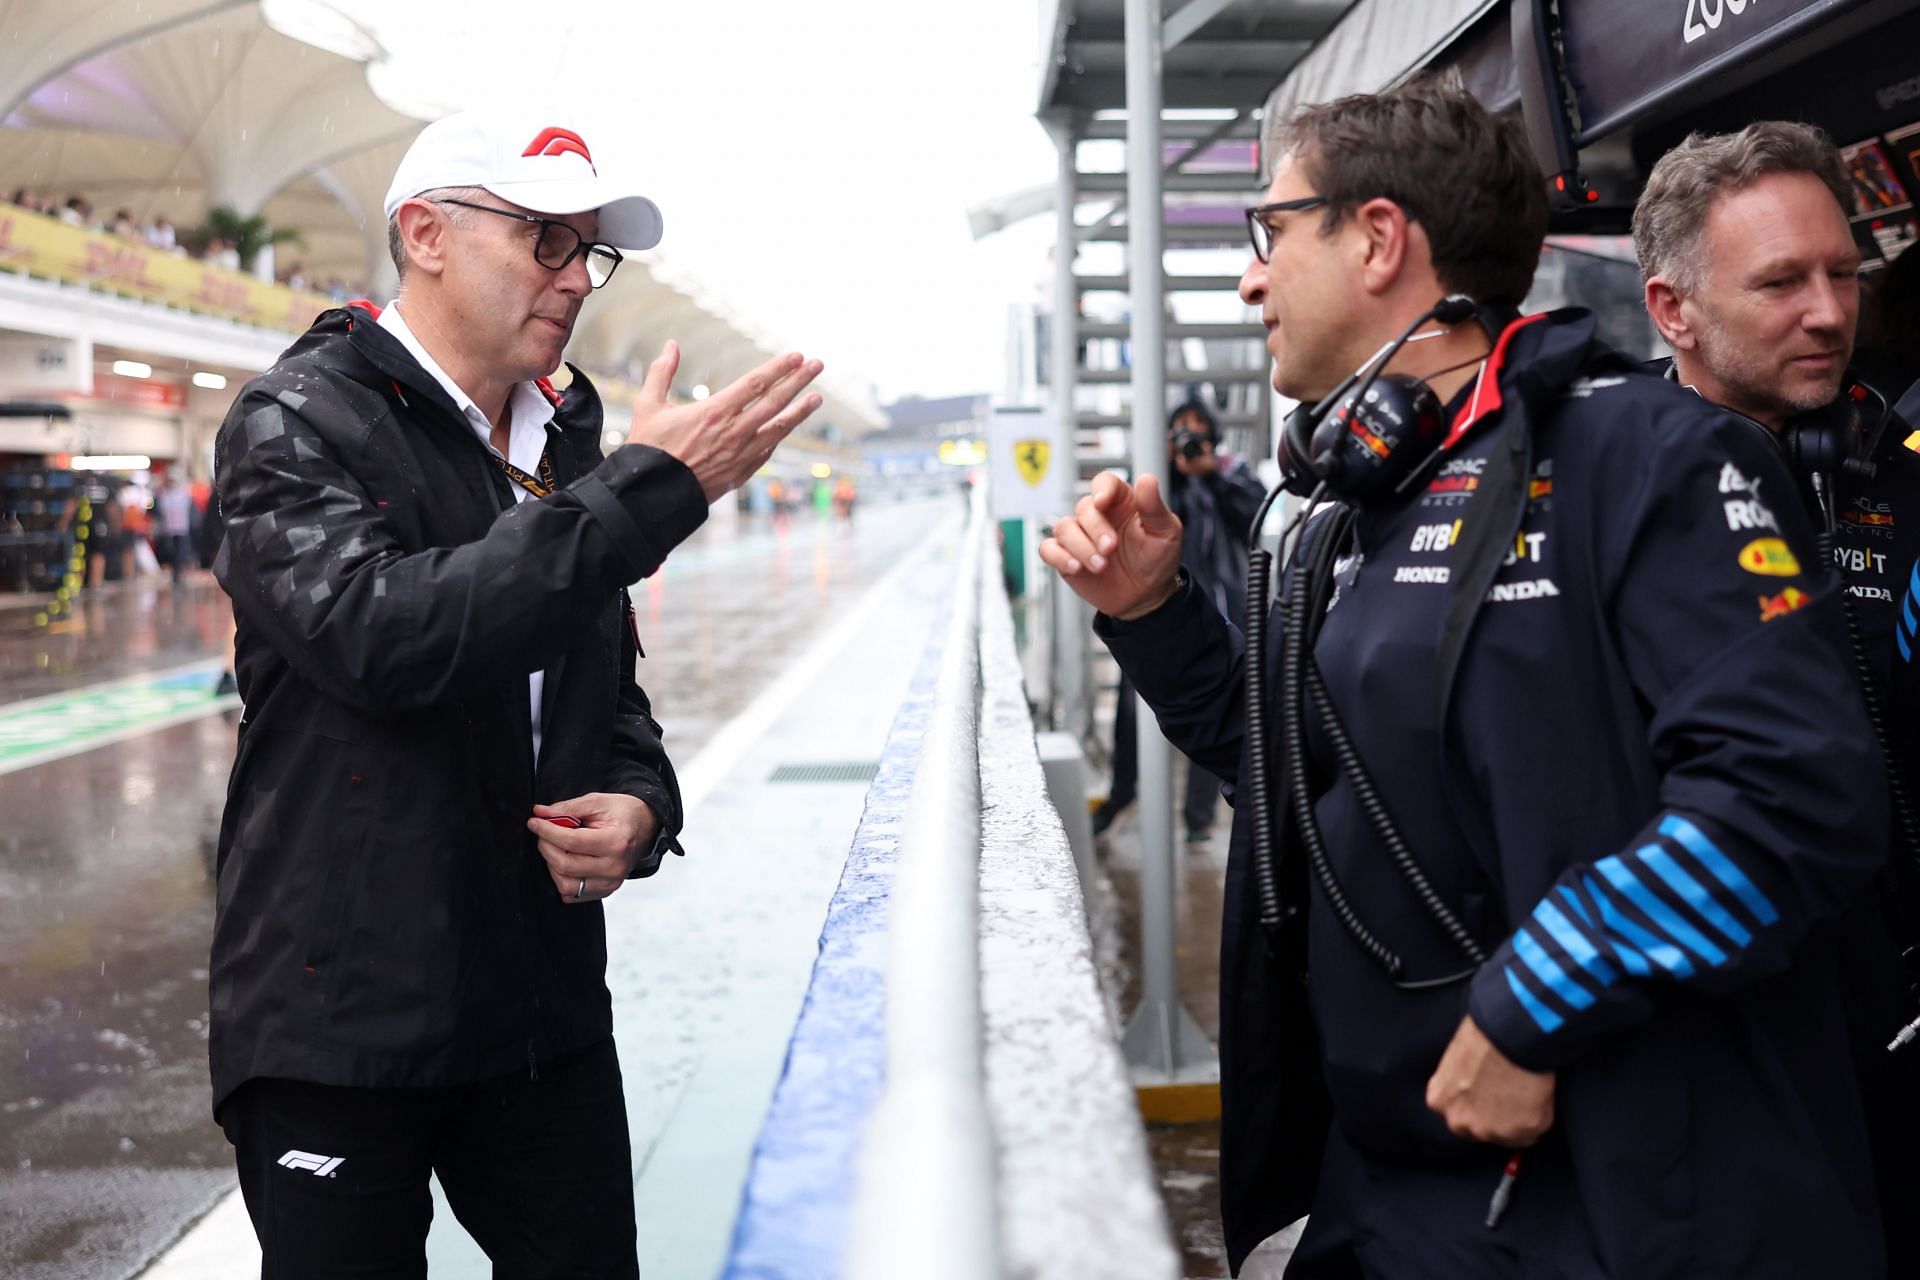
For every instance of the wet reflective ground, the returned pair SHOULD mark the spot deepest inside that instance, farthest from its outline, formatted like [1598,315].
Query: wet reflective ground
[107,1150]
[1185,1156]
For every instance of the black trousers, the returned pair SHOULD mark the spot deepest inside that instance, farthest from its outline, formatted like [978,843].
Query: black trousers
[1203,789]
[537,1170]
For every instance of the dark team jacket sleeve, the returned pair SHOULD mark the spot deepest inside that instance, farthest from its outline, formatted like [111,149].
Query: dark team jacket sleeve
[1772,804]
[1184,658]
[310,559]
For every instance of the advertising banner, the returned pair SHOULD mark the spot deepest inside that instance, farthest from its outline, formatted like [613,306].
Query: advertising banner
[33,245]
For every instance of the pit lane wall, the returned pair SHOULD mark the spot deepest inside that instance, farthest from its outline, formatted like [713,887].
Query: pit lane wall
[1073,1191]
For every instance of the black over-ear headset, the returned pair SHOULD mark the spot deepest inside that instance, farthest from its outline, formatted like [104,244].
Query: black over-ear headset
[1372,433]
[1840,438]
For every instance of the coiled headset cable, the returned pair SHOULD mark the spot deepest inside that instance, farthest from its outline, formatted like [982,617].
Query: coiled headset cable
[1304,608]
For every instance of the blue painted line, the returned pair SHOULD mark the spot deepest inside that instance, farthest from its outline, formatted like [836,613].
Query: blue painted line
[1695,842]
[796,1209]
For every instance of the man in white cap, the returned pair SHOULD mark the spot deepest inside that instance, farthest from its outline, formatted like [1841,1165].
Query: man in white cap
[445,763]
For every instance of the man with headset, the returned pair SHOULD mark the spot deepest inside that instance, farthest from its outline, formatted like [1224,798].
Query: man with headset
[1752,277]
[1573,771]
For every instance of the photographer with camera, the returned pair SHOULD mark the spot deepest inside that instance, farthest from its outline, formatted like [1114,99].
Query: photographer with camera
[1215,498]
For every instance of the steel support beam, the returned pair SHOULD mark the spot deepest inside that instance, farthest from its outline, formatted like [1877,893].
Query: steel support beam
[1173,284]
[1242,127]
[1238,186]
[1089,377]
[1192,16]
[1162,1041]
[1072,623]
[1226,330]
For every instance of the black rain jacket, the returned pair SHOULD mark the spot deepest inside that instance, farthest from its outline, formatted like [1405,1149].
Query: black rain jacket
[1652,796]
[383,917]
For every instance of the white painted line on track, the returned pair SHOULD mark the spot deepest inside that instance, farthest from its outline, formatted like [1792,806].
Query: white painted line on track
[733,739]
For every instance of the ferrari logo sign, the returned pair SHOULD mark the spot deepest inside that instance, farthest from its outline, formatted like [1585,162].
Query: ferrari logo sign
[1032,456]
[1030,467]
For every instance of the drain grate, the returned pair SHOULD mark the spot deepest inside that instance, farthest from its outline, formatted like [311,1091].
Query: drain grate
[850,771]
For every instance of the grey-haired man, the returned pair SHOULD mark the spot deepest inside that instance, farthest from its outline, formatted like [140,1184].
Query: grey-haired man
[446,763]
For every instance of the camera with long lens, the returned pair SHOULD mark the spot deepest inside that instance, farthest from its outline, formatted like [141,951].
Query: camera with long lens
[1190,444]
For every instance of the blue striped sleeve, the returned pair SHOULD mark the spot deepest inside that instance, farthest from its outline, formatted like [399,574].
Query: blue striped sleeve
[1694,894]
[1573,942]
[1662,916]
[1548,970]
[1546,1019]
[1621,932]
[1695,841]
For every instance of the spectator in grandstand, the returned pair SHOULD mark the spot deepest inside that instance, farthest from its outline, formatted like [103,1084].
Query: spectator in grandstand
[161,235]
[76,212]
[446,763]
[124,226]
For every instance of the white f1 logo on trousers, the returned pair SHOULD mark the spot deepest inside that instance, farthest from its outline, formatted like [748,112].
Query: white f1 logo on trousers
[322,1166]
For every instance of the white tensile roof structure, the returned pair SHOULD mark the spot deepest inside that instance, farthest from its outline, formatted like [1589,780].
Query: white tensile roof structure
[171,107]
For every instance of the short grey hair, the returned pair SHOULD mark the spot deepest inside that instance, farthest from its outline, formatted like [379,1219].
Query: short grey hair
[1672,212]
[397,248]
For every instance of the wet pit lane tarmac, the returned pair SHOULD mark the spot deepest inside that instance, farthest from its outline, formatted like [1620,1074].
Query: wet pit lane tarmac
[107,1150]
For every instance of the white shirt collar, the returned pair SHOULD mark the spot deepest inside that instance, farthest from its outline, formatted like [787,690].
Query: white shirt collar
[532,411]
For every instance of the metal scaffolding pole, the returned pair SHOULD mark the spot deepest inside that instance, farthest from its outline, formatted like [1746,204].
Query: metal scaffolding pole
[1072,623]
[1162,1040]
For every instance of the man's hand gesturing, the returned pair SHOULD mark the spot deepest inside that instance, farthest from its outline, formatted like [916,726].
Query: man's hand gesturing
[730,435]
[1120,549]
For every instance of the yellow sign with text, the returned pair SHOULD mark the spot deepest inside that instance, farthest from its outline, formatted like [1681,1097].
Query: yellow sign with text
[34,245]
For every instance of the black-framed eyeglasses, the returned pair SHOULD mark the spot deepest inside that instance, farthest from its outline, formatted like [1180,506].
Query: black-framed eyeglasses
[559,244]
[1261,234]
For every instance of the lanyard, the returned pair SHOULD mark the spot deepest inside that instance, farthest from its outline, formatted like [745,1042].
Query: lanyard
[539,487]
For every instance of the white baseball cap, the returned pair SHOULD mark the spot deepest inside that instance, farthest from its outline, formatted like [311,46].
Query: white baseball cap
[534,163]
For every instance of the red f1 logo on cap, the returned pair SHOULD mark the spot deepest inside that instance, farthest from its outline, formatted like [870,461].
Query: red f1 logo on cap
[558,142]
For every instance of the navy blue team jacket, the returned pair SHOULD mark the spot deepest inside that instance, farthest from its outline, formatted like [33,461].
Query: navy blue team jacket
[1654,795]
